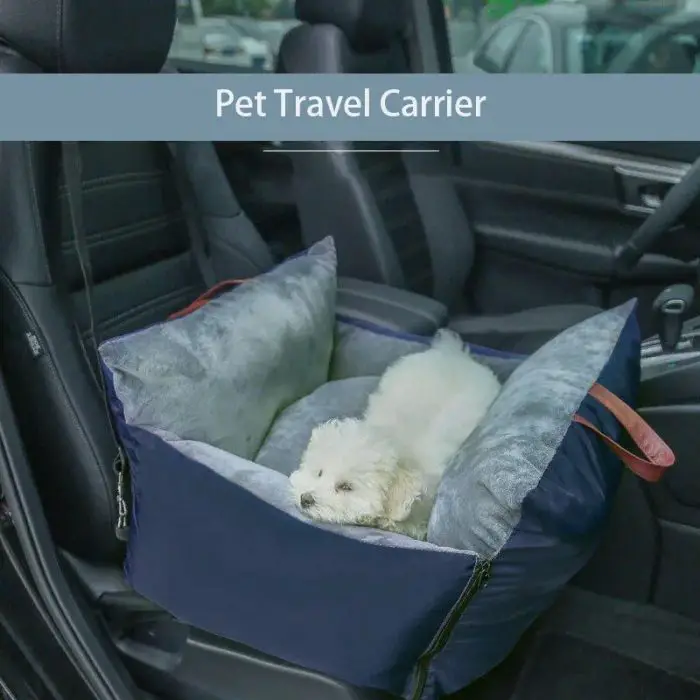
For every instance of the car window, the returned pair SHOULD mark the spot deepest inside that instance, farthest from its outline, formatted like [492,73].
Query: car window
[185,14]
[635,36]
[531,54]
[658,49]
[691,43]
[229,35]
[673,50]
[493,55]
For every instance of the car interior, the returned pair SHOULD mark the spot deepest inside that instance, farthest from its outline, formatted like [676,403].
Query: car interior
[506,243]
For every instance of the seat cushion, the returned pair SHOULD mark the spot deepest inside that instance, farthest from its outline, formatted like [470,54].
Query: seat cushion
[523,502]
[524,331]
[290,433]
[243,370]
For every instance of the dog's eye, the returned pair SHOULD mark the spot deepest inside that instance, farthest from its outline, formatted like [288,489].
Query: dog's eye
[320,472]
[343,486]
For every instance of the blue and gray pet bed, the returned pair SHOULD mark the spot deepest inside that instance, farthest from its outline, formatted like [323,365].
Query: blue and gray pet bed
[214,410]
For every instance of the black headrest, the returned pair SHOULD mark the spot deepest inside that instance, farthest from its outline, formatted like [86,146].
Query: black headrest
[368,24]
[89,36]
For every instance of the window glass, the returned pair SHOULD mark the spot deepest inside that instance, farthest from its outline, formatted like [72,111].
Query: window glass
[185,15]
[673,52]
[492,56]
[230,35]
[625,36]
[530,55]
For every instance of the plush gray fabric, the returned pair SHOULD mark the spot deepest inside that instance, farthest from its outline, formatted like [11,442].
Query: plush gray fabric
[250,374]
[480,497]
[360,352]
[222,373]
[290,433]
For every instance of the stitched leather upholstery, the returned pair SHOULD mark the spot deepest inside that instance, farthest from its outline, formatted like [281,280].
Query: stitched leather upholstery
[402,222]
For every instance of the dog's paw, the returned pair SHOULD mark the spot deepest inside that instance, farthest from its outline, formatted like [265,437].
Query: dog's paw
[421,533]
[416,531]
[369,522]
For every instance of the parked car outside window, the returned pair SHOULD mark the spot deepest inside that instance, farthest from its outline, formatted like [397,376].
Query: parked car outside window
[583,36]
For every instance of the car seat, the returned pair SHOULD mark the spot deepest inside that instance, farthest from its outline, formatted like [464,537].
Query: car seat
[143,246]
[402,224]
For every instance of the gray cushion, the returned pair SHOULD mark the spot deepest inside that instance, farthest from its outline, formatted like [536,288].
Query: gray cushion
[222,373]
[288,437]
[480,497]
[360,351]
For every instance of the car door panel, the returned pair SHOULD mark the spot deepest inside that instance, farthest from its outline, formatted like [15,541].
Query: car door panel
[678,151]
[548,218]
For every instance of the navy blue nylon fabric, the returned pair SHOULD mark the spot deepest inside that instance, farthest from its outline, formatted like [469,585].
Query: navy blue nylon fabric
[560,526]
[222,560]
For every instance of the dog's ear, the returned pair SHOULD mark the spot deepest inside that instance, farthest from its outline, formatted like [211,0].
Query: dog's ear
[404,491]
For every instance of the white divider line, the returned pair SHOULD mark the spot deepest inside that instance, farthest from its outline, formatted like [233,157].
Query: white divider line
[351,150]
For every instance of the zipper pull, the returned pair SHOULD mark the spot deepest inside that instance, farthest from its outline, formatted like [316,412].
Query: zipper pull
[485,574]
[122,527]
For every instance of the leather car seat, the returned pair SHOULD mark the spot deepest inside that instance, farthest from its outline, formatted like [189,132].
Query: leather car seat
[140,248]
[140,253]
[402,223]
[144,266]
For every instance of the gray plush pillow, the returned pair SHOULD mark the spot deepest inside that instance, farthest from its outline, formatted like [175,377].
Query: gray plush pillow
[288,437]
[221,374]
[480,499]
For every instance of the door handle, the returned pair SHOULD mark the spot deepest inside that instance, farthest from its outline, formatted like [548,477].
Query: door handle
[643,192]
[651,196]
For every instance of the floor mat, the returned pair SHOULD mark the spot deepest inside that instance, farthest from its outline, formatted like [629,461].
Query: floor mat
[562,667]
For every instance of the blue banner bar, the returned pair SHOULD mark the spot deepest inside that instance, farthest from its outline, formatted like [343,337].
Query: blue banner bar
[337,108]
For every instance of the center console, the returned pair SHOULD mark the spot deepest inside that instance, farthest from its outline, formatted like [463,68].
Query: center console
[657,361]
[669,396]
[671,359]
[671,379]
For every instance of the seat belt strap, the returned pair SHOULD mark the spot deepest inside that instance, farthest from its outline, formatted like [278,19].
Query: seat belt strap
[72,166]
[195,228]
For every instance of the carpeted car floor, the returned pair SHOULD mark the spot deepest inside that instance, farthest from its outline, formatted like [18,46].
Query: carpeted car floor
[590,647]
[565,668]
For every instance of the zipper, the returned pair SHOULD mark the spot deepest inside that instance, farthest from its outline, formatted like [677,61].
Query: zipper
[479,578]
[120,465]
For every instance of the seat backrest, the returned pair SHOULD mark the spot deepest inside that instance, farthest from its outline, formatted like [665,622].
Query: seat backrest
[395,215]
[140,252]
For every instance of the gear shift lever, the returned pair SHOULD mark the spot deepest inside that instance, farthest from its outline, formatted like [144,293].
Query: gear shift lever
[670,309]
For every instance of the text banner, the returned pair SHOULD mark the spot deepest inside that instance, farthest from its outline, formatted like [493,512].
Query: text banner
[338,108]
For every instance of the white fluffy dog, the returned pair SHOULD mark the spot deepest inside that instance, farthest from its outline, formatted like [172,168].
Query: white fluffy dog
[384,470]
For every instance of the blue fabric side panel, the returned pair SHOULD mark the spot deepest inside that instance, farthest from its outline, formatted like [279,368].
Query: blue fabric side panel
[381,330]
[501,612]
[559,529]
[222,560]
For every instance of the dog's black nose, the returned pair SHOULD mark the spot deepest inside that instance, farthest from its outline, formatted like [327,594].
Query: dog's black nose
[306,500]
